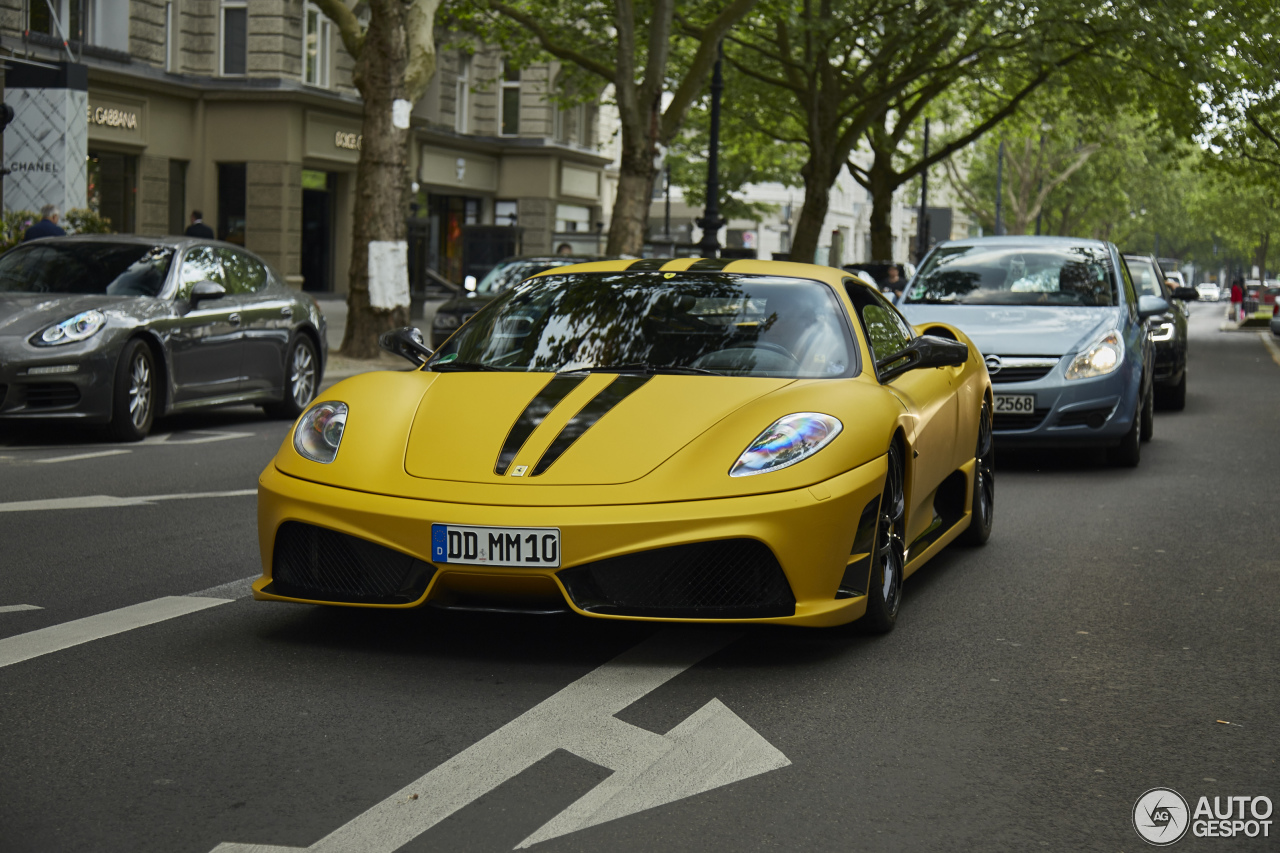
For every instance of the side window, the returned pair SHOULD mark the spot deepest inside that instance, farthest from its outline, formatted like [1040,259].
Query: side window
[200,264]
[1131,297]
[887,332]
[244,274]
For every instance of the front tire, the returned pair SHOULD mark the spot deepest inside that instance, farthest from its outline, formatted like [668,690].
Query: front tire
[984,484]
[134,393]
[302,376]
[1128,453]
[884,594]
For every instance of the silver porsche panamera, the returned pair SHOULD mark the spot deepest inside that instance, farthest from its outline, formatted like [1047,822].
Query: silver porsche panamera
[118,330]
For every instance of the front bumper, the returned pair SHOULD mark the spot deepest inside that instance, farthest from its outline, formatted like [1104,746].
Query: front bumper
[83,395]
[1075,413]
[809,531]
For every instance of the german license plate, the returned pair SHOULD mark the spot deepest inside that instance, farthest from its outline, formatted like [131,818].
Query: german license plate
[1015,404]
[496,546]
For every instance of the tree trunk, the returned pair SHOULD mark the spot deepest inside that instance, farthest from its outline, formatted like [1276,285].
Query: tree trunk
[636,174]
[883,183]
[382,185]
[818,178]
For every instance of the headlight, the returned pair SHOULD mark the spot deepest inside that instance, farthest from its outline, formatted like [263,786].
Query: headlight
[320,432]
[77,328]
[1162,332]
[1101,358]
[445,321]
[789,440]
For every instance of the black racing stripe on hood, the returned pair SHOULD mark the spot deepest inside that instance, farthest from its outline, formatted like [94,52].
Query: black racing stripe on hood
[648,264]
[613,394]
[710,264]
[533,416]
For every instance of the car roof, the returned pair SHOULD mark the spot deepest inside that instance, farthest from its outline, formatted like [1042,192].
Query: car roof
[176,241]
[737,266]
[1015,240]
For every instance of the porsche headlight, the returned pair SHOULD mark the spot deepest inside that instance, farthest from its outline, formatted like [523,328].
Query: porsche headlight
[446,321]
[319,433]
[1162,331]
[86,324]
[787,441]
[1099,359]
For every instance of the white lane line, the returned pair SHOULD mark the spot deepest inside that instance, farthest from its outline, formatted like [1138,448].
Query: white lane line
[55,638]
[205,437]
[107,501]
[14,608]
[232,589]
[77,457]
[712,748]
[1270,345]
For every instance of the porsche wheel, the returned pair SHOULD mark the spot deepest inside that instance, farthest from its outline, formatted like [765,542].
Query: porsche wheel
[301,376]
[984,484]
[889,557]
[134,394]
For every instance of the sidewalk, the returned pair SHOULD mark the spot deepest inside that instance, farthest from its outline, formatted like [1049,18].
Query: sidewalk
[339,366]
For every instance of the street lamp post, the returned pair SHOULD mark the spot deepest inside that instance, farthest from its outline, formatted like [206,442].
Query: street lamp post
[710,223]
[999,193]
[922,222]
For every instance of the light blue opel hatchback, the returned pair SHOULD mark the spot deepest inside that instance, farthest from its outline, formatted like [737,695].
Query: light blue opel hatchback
[1063,332]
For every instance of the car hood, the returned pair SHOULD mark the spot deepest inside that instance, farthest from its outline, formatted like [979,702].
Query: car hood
[23,314]
[1050,330]
[598,429]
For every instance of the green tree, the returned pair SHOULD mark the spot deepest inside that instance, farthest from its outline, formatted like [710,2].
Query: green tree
[395,58]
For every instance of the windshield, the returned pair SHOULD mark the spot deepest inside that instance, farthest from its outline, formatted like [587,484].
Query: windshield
[1015,275]
[114,269]
[1146,279]
[711,323]
[509,273]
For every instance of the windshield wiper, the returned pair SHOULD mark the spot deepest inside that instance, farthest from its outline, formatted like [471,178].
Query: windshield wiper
[461,366]
[644,368]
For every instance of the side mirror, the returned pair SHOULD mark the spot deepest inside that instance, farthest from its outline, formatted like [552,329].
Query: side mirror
[1186,294]
[469,282]
[924,351]
[203,290]
[1150,306]
[406,342]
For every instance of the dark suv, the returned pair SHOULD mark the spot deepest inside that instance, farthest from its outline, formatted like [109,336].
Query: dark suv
[1168,330]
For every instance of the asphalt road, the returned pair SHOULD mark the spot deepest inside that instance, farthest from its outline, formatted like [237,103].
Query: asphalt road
[1032,691]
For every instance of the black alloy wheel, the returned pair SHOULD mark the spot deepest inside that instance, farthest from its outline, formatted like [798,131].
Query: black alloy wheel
[884,594]
[1128,453]
[133,397]
[1148,415]
[983,506]
[301,378]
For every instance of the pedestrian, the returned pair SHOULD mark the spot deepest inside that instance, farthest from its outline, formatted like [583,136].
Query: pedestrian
[197,228]
[47,226]
[1237,300]
[564,249]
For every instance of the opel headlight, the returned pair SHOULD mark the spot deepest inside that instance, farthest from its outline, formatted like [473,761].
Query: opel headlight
[787,441]
[319,433]
[1162,331]
[86,324]
[1099,359]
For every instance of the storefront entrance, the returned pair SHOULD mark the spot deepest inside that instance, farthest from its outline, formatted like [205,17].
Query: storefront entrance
[318,192]
[448,213]
[112,188]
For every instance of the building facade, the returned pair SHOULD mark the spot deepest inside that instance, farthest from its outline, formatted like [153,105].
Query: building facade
[245,111]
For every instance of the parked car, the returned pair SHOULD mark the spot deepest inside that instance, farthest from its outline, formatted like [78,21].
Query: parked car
[1168,330]
[649,439]
[1209,291]
[877,273]
[118,330]
[1063,331]
[507,273]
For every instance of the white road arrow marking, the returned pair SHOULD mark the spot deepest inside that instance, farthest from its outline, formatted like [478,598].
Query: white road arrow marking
[714,747]
[77,457]
[107,501]
[206,436]
[14,608]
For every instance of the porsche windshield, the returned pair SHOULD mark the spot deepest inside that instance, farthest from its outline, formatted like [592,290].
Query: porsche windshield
[653,322]
[113,269]
[1015,275]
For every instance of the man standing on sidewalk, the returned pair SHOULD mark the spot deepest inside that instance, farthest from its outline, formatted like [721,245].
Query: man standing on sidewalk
[1237,300]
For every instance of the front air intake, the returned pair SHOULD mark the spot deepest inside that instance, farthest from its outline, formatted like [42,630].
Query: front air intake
[323,565]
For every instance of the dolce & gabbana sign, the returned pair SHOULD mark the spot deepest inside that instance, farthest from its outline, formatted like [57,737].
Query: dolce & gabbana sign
[117,118]
[113,117]
[347,141]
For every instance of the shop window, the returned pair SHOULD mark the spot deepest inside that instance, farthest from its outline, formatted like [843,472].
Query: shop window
[510,101]
[112,188]
[505,213]
[572,217]
[462,96]
[177,196]
[232,191]
[235,38]
[315,47]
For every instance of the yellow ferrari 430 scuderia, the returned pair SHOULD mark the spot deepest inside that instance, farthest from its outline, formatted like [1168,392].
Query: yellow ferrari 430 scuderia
[702,440]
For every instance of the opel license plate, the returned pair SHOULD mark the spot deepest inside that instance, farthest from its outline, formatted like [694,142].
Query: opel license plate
[496,546]
[1015,404]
